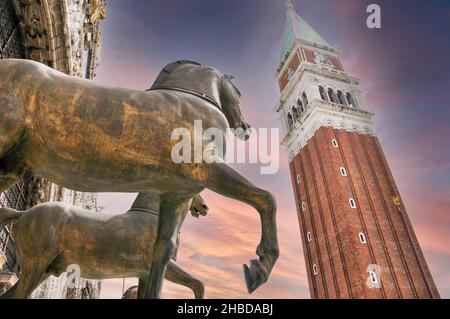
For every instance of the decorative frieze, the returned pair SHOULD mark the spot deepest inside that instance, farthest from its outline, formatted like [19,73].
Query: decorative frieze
[59,32]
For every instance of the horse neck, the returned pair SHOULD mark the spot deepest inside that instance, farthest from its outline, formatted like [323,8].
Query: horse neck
[196,78]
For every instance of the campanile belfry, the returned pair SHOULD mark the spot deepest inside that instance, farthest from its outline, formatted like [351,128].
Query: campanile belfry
[358,241]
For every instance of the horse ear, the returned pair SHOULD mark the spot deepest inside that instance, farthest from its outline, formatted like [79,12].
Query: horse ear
[229,77]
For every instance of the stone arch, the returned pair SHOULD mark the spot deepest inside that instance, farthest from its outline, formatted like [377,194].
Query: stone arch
[295,113]
[300,105]
[332,96]
[341,98]
[323,94]
[351,101]
[305,100]
[290,121]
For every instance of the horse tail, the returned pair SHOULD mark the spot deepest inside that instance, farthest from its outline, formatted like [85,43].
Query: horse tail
[7,215]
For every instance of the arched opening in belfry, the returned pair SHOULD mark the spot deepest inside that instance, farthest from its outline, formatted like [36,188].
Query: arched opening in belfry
[295,113]
[300,106]
[350,100]
[290,121]
[332,96]
[323,94]
[341,98]
[305,100]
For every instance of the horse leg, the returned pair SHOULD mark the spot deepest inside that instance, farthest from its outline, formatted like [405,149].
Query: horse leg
[171,211]
[224,180]
[32,276]
[177,275]
[142,286]
[6,181]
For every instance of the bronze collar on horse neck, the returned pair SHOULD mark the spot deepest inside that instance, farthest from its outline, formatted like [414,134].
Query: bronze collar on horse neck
[203,96]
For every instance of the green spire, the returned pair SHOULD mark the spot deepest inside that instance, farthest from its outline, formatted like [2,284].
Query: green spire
[297,29]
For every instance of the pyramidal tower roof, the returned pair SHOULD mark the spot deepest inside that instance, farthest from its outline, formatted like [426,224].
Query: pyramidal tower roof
[297,29]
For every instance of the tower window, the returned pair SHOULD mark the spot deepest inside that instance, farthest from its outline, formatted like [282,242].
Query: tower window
[300,105]
[343,172]
[315,270]
[332,96]
[373,277]
[305,100]
[350,100]
[309,236]
[299,179]
[362,238]
[335,143]
[323,94]
[341,98]
[304,206]
[295,113]
[290,121]
[352,203]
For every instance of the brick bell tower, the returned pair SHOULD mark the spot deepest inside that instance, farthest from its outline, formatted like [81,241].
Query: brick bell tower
[358,241]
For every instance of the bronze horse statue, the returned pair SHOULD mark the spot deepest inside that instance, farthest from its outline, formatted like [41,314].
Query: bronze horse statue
[92,138]
[131,293]
[103,246]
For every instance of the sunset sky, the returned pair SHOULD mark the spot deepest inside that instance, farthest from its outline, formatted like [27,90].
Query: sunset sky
[405,73]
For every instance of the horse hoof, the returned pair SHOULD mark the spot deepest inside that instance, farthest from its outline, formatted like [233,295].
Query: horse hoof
[203,210]
[255,276]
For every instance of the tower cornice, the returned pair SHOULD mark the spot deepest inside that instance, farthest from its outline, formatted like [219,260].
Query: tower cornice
[326,114]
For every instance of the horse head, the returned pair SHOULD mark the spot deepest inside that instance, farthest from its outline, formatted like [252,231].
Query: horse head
[210,84]
[229,97]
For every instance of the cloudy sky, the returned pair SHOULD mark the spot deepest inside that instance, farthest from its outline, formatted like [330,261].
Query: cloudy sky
[405,75]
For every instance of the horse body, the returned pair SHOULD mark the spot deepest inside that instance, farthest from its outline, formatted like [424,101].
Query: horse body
[88,137]
[93,138]
[103,246]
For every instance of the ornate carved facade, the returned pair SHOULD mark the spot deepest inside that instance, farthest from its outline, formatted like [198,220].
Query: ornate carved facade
[65,35]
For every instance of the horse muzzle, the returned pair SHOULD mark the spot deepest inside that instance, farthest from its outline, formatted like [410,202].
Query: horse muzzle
[244,132]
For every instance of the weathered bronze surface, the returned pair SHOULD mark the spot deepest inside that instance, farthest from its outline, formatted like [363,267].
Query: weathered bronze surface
[88,137]
[53,236]
[131,293]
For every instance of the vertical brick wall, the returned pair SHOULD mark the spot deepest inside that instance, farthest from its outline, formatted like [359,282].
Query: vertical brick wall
[342,260]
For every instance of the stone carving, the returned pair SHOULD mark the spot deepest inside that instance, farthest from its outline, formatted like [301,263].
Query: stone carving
[102,246]
[74,30]
[97,11]
[290,73]
[7,280]
[37,193]
[101,139]
[322,59]
[32,26]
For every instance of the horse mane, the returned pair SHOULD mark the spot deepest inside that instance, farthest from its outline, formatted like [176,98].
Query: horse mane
[199,82]
[170,68]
